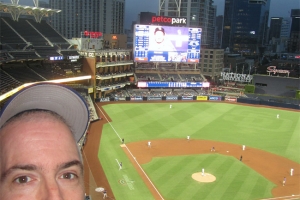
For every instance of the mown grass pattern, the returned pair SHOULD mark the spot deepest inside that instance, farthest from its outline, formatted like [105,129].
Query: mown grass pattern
[256,127]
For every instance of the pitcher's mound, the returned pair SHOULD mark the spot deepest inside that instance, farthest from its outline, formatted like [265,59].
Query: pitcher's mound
[207,178]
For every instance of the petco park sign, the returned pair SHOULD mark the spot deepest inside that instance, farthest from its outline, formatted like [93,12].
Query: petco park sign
[164,20]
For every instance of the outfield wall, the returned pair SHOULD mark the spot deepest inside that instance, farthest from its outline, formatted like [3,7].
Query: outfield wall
[216,98]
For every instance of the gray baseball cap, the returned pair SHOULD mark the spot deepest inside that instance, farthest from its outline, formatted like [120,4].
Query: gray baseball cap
[60,99]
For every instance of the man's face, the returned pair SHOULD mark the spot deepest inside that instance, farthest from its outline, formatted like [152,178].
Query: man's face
[39,160]
[159,36]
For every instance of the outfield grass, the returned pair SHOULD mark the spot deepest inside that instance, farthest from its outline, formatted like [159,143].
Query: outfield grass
[255,127]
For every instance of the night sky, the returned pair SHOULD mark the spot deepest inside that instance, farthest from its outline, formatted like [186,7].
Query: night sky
[279,8]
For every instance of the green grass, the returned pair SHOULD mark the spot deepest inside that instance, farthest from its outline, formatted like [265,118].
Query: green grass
[234,179]
[252,126]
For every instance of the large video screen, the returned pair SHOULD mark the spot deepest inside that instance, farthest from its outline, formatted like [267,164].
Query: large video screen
[166,44]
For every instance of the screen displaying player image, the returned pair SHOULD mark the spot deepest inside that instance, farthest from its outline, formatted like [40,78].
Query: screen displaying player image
[167,38]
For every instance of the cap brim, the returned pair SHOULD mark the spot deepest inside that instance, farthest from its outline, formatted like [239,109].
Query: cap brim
[53,97]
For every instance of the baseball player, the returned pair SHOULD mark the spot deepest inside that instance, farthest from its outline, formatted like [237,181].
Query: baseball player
[212,149]
[244,147]
[170,105]
[292,171]
[188,138]
[277,116]
[241,158]
[203,172]
[284,181]
[149,144]
[120,164]
[104,194]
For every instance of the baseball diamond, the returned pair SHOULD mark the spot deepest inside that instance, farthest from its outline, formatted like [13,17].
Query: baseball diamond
[165,170]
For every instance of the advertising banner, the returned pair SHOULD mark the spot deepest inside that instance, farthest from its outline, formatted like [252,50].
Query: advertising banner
[136,98]
[104,99]
[171,98]
[215,98]
[122,99]
[187,97]
[154,98]
[202,98]
[230,99]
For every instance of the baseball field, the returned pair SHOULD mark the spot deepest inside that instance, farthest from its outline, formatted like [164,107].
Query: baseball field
[164,170]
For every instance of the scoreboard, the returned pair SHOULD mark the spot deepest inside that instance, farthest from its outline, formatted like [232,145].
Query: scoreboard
[173,84]
[166,44]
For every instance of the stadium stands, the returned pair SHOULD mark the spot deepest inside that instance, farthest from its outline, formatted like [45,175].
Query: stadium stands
[51,34]
[27,36]
[7,82]
[9,36]
[27,32]
[23,55]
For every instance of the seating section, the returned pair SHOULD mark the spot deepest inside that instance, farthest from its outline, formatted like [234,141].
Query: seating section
[148,77]
[7,82]
[51,34]
[47,51]
[22,73]
[21,55]
[8,36]
[69,52]
[27,32]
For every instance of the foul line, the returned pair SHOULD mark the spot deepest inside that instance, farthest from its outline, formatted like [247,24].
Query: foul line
[288,197]
[130,153]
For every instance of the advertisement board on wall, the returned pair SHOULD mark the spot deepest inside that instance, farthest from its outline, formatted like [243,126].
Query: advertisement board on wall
[136,98]
[187,98]
[171,98]
[202,98]
[231,99]
[166,44]
[153,98]
[215,98]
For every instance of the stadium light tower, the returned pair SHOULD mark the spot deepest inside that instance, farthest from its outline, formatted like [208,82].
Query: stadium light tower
[165,7]
[16,10]
[15,2]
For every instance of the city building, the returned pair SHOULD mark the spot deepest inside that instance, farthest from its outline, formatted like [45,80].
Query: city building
[219,27]
[245,25]
[275,27]
[77,16]
[199,13]
[235,63]
[285,28]
[211,63]
[294,42]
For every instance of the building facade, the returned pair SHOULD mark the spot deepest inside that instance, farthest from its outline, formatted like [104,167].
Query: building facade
[211,63]
[77,16]
[199,13]
[245,25]
[275,27]
[294,42]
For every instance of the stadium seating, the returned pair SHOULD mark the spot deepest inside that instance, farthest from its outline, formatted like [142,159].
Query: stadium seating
[23,55]
[49,33]
[7,82]
[9,36]
[27,32]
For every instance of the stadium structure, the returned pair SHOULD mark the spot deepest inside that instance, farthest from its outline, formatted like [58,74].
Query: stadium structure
[31,51]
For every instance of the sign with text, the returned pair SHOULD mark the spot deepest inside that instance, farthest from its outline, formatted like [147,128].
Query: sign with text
[202,98]
[236,77]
